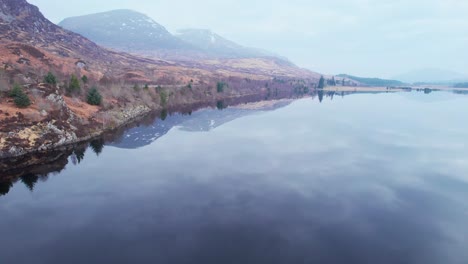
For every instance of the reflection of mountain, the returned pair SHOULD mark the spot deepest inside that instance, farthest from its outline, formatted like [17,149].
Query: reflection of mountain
[199,121]
[207,120]
[37,167]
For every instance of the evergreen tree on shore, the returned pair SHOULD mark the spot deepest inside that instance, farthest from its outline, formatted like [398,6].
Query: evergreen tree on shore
[321,83]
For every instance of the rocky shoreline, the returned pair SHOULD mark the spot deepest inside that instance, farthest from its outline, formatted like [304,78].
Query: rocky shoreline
[52,134]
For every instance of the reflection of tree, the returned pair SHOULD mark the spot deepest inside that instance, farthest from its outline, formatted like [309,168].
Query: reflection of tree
[79,153]
[320,95]
[97,145]
[30,181]
[220,105]
[5,187]
[35,167]
[163,115]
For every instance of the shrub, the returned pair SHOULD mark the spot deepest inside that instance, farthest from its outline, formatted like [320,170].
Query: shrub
[94,97]
[163,96]
[220,87]
[22,100]
[84,78]
[50,79]
[15,91]
[74,86]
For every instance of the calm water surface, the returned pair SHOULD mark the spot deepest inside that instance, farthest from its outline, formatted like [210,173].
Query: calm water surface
[365,178]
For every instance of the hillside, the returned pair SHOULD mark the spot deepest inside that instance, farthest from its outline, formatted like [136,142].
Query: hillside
[29,40]
[372,81]
[59,113]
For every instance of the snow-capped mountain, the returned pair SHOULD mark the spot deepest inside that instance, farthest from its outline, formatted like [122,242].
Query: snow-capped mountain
[124,30]
[218,46]
[131,31]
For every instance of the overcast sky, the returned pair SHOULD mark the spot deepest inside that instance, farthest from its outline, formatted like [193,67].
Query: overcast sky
[381,38]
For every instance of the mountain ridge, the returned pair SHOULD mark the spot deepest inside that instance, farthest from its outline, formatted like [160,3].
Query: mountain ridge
[218,46]
[109,28]
[432,75]
[135,32]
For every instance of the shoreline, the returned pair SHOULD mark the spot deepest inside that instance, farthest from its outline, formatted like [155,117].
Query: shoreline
[127,116]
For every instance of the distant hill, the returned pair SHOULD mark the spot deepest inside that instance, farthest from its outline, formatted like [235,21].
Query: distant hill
[461,85]
[124,30]
[436,76]
[372,81]
[218,46]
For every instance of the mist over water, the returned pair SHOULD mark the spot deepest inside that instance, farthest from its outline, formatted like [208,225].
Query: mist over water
[364,178]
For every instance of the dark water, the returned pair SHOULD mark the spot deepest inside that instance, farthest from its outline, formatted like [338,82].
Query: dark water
[367,178]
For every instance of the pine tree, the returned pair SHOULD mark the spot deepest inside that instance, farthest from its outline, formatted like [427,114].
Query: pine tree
[74,87]
[321,83]
[84,78]
[163,98]
[50,79]
[94,97]
[19,97]
[220,87]
[22,100]
[15,91]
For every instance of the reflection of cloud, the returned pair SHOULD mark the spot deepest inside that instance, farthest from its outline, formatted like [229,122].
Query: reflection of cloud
[291,186]
[245,218]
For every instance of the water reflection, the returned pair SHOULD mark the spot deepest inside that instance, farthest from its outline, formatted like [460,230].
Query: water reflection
[5,187]
[97,145]
[353,181]
[194,118]
[31,168]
